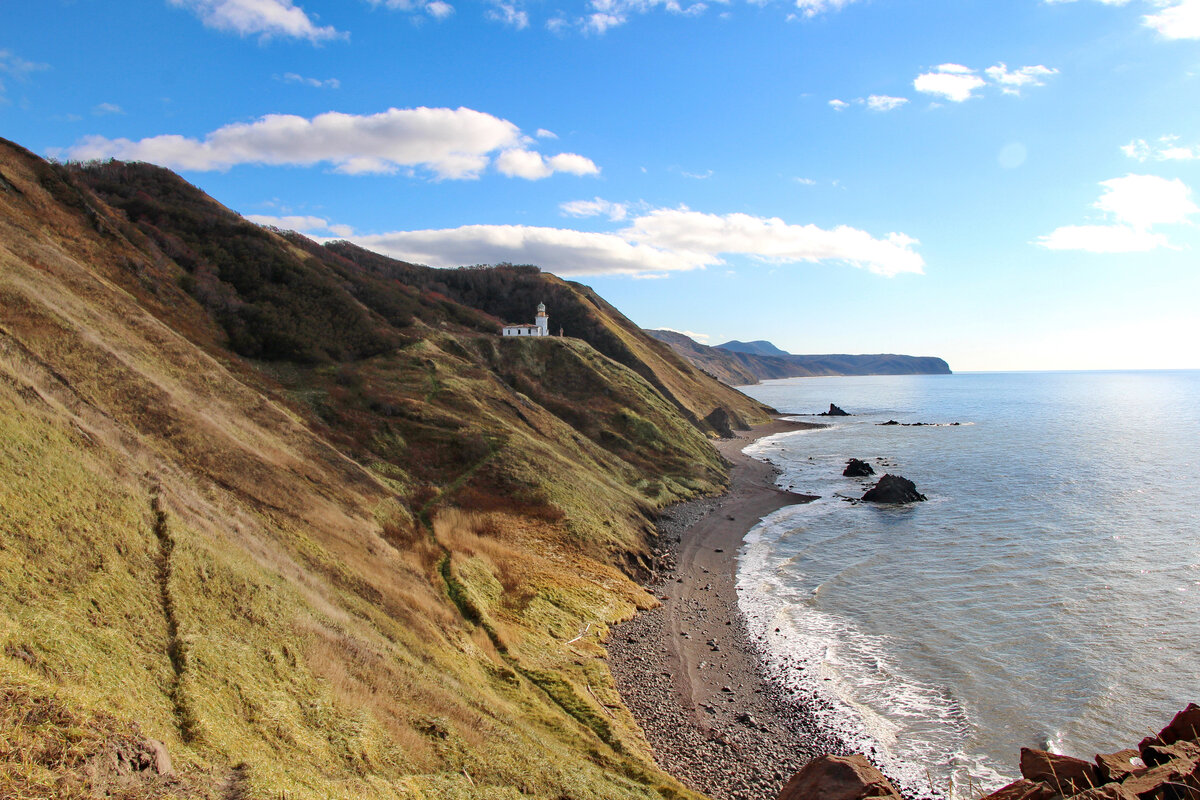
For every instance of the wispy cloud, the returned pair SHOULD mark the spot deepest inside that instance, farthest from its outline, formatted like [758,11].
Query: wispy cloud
[877,102]
[105,109]
[658,241]
[597,207]
[16,67]
[316,83]
[1165,148]
[267,18]
[1134,205]
[438,9]
[508,14]
[1012,81]
[449,143]
[883,102]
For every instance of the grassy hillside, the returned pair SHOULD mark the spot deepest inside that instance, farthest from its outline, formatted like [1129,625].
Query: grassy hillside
[313,526]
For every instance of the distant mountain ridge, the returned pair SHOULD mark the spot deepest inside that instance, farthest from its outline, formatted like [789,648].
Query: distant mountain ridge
[743,363]
[759,347]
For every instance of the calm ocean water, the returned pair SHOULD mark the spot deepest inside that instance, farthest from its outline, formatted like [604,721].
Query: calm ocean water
[1046,595]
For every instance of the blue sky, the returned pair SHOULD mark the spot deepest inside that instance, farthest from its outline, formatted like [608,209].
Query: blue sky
[1009,185]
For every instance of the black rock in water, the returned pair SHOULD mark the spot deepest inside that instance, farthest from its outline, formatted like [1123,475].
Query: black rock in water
[889,422]
[833,411]
[858,469]
[893,489]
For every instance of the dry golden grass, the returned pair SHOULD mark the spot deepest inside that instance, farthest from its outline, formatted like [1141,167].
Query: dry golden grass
[184,551]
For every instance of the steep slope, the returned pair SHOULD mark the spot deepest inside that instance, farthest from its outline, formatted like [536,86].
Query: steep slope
[378,560]
[745,364]
[511,293]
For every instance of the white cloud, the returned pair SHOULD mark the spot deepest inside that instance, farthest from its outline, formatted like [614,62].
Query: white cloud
[450,143]
[1166,148]
[1146,200]
[839,105]
[303,224]
[1103,239]
[439,10]
[534,166]
[596,207]
[316,83]
[107,108]
[699,337]
[1179,21]
[658,241]
[772,239]
[952,82]
[1011,82]
[957,83]
[542,133]
[266,17]
[558,250]
[882,102]
[805,181]
[1136,203]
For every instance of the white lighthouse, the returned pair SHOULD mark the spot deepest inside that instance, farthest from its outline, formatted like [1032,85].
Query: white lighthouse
[540,326]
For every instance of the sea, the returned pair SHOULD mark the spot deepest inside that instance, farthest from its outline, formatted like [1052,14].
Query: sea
[1046,594]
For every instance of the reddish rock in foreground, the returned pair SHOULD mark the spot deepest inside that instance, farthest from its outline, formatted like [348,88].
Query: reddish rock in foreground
[1164,767]
[838,778]
[1064,774]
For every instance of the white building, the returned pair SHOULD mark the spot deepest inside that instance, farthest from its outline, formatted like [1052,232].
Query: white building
[540,326]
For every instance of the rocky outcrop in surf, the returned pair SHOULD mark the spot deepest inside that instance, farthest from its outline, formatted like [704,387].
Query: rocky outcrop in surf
[833,411]
[893,489]
[857,469]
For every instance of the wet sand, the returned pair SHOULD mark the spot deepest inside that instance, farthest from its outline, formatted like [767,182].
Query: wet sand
[688,671]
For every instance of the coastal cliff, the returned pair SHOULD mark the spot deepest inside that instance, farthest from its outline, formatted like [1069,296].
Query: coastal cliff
[747,363]
[284,519]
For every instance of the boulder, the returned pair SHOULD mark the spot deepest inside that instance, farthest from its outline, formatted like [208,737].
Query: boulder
[833,411]
[1156,754]
[889,422]
[1153,783]
[1064,774]
[858,469]
[1185,725]
[1109,791]
[893,489]
[1120,765]
[838,778]
[1022,789]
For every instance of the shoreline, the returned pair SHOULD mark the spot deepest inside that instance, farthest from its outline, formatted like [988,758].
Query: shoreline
[688,670]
